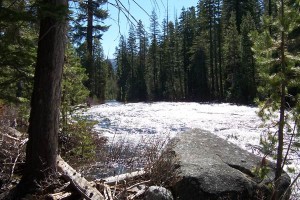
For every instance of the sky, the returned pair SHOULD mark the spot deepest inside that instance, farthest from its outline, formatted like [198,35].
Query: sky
[120,25]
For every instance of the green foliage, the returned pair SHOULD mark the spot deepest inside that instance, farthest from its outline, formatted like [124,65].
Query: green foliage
[100,74]
[78,140]
[73,90]
[248,68]
[111,89]
[123,70]
[87,32]
[48,10]
[232,59]
[278,67]
[241,8]
[81,17]
[18,40]
[200,57]
[261,171]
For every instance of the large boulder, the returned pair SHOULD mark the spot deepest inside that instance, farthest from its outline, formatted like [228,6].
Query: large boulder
[213,168]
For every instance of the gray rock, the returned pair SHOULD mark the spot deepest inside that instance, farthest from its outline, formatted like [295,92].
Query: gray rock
[212,168]
[158,193]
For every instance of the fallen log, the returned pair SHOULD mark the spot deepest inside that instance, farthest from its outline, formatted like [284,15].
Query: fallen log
[80,183]
[112,180]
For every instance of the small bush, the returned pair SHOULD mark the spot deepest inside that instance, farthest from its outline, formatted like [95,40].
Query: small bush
[78,141]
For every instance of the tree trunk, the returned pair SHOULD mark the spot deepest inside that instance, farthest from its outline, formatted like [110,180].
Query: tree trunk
[282,110]
[42,147]
[211,48]
[89,40]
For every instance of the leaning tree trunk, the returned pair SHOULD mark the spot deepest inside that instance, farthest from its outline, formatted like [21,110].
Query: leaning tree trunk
[42,147]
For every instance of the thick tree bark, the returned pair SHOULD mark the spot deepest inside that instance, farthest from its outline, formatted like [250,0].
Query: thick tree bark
[42,147]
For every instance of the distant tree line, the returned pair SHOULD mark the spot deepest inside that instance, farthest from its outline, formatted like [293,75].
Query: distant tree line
[205,55]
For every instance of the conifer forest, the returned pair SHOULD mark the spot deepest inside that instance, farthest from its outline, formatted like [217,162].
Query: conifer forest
[206,54]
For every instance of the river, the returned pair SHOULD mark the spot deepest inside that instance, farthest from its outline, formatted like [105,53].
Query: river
[238,124]
[138,123]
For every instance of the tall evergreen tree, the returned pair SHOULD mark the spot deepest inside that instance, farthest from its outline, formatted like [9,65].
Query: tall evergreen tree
[248,70]
[170,63]
[88,27]
[241,8]
[187,29]
[100,73]
[73,90]
[123,70]
[209,31]
[111,90]
[42,146]
[232,59]
[141,69]
[18,40]
[199,80]
[132,53]
[153,57]
[178,69]
[164,58]
[278,67]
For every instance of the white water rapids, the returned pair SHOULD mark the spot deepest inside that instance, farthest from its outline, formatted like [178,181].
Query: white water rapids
[238,124]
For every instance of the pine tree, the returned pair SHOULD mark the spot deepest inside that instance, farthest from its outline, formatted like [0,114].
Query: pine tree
[73,90]
[248,71]
[153,58]
[232,58]
[164,64]
[101,71]
[187,29]
[111,90]
[171,89]
[132,53]
[123,70]
[278,70]
[241,8]
[199,80]
[142,90]
[209,32]
[86,30]
[42,146]
[18,36]
[178,69]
